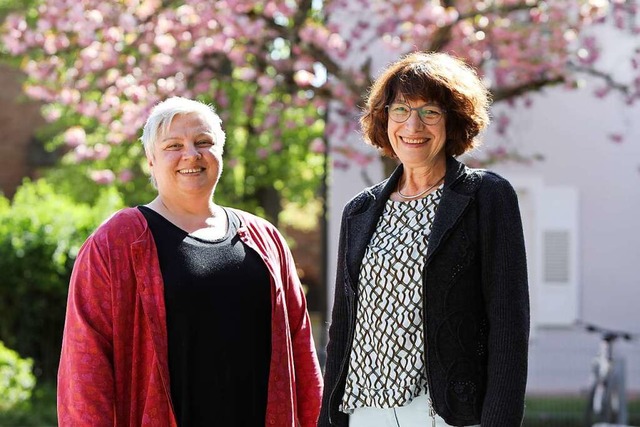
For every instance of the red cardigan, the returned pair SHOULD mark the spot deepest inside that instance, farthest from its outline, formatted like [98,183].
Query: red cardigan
[114,364]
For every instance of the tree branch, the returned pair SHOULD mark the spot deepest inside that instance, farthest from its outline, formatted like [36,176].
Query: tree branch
[335,69]
[499,10]
[442,36]
[608,78]
[502,94]
[304,6]
[292,34]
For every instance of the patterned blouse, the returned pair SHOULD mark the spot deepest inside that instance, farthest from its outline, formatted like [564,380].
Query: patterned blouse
[387,364]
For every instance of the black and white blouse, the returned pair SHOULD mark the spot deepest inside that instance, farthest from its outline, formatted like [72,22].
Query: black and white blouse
[387,364]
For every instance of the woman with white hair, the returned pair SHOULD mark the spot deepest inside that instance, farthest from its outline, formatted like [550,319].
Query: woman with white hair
[184,312]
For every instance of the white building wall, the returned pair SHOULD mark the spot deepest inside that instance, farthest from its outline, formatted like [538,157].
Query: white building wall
[571,129]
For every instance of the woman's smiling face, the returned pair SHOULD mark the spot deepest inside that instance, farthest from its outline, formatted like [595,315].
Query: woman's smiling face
[414,142]
[186,158]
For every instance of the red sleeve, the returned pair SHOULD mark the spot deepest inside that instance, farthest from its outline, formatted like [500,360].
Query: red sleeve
[85,377]
[307,368]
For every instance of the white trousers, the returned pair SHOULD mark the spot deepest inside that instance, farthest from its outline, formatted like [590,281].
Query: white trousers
[415,414]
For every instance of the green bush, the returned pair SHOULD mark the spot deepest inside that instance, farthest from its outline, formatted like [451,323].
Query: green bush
[39,411]
[16,379]
[40,235]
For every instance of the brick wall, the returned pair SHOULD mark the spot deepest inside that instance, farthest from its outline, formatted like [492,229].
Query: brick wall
[307,253]
[19,118]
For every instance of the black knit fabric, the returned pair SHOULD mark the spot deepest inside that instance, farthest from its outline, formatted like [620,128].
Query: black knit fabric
[476,299]
[218,308]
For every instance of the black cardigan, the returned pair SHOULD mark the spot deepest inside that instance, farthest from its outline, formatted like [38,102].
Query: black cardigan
[476,306]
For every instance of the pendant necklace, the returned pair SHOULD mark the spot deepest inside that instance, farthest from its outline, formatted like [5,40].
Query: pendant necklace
[422,193]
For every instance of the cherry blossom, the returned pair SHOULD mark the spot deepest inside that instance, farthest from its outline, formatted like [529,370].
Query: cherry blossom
[75,136]
[104,176]
[111,61]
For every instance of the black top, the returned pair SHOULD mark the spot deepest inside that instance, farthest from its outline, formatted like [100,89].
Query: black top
[218,305]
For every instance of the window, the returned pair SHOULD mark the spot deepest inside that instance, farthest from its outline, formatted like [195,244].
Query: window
[550,223]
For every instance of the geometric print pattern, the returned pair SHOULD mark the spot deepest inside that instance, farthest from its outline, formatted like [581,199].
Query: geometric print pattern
[387,363]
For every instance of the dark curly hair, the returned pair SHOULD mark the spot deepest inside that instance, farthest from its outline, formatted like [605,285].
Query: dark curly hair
[436,77]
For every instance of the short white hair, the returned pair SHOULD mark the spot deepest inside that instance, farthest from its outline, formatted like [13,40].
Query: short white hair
[163,113]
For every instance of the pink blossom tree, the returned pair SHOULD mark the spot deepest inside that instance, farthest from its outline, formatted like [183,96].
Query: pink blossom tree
[273,68]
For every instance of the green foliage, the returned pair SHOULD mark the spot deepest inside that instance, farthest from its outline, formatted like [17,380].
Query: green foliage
[41,232]
[266,165]
[39,411]
[16,379]
[8,6]
[72,173]
[269,158]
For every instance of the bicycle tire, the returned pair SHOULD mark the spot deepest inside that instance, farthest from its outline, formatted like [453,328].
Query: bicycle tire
[598,404]
[613,405]
[617,394]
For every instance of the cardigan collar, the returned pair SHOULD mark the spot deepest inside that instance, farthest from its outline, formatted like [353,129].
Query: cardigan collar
[365,210]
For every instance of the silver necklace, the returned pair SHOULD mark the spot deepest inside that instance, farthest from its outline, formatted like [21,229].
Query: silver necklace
[422,193]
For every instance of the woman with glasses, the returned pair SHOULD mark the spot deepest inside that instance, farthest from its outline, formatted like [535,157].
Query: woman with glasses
[430,320]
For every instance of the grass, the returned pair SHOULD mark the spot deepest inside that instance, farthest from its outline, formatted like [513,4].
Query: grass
[553,411]
[541,411]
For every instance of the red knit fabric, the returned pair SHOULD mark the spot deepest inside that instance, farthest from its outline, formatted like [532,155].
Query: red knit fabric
[114,363]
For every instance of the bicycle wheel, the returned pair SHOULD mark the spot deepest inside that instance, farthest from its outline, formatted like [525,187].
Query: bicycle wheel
[617,399]
[613,406]
[598,404]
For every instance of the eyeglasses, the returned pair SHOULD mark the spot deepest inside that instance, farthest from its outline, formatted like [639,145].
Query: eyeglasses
[400,112]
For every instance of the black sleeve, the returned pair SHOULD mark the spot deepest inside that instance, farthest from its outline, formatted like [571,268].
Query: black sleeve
[504,283]
[337,345]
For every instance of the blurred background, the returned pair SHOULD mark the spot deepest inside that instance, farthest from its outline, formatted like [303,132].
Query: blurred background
[288,79]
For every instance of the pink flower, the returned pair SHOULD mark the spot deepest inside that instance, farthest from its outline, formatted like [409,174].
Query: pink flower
[266,83]
[247,74]
[618,138]
[271,120]
[38,92]
[101,151]
[262,153]
[125,175]
[115,138]
[318,146]
[362,160]
[499,152]
[82,153]
[502,123]
[103,177]
[52,114]
[340,164]
[222,99]
[75,136]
